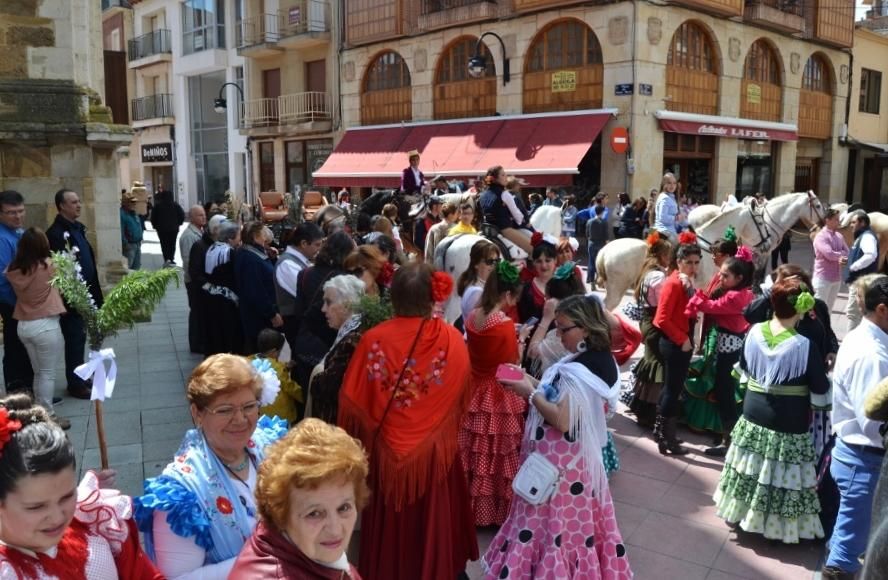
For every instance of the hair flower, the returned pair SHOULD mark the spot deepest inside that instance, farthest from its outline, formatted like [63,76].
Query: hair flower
[536,239]
[653,238]
[527,274]
[565,271]
[271,384]
[744,254]
[442,286]
[730,234]
[688,238]
[803,302]
[7,428]
[507,271]
[386,274]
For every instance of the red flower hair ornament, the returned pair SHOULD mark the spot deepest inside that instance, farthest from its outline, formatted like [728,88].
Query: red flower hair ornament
[653,238]
[687,238]
[744,254]
[536,239]
[7,428]
[386,274]
[442,286]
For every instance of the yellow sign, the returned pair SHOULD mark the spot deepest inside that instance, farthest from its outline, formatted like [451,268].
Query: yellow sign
[564,81]
[753,94]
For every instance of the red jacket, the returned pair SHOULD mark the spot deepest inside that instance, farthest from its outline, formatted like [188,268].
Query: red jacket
[670,317]
[725,311]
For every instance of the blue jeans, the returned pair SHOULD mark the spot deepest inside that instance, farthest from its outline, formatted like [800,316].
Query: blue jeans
[593,249]
[856,473]
[133,254]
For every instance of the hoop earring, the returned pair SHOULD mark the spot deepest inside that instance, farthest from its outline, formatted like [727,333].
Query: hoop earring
[581,346]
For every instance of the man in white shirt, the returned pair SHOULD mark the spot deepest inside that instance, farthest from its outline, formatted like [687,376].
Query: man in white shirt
[861,363]
[862,260]
[303,245]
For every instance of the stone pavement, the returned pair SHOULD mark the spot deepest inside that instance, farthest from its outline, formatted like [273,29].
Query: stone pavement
[663,504]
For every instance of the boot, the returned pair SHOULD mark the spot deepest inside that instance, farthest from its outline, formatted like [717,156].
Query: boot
[657,432]
[720,449]
[833,573]
[668,445]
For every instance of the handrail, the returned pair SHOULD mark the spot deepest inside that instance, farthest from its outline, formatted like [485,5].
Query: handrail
[155,42]
[152,107]
[288,109]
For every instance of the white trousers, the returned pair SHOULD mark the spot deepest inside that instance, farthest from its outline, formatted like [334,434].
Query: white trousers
[826,291]
[852,309]
[43,341]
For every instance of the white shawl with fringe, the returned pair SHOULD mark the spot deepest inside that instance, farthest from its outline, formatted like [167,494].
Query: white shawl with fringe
[778,364]
[586,394]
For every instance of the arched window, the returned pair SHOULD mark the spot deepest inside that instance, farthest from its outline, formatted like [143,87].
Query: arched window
[563,70]
[761,91]
[815,99]
[692,71]
[387,96]
[458,95]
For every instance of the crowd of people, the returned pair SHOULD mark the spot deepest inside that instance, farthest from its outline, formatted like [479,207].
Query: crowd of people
[430,430]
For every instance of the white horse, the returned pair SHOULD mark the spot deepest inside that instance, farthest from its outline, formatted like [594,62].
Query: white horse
[455,258]
[619,263]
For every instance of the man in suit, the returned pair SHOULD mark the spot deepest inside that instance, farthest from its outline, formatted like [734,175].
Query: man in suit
[412,179]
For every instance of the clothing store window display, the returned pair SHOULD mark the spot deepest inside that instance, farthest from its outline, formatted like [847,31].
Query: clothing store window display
[490,435]
[574,533]
[676,344]
[768,483]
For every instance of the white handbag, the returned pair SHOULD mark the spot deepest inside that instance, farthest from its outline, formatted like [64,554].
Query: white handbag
[537,478]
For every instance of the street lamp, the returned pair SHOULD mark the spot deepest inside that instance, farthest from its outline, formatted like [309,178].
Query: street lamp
[220,105]
[478,63]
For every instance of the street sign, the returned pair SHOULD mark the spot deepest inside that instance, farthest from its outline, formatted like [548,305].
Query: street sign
[623,90]
[645,89]
[619,140]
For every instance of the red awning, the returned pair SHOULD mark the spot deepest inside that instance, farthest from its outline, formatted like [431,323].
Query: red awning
[544,149]
[731,127]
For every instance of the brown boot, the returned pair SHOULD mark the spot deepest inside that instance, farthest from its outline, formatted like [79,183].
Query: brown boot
[833,573]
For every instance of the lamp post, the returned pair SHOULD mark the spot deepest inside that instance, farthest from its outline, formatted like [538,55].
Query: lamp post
[478,63]
[220,105]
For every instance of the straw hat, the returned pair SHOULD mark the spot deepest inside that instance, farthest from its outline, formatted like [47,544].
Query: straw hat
[412,153]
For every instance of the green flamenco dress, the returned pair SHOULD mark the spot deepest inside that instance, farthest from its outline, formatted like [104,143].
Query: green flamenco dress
[700,406]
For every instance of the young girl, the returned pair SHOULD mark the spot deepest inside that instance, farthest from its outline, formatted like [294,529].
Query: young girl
[724,309]
[533,296]
[465,225]
[50,527]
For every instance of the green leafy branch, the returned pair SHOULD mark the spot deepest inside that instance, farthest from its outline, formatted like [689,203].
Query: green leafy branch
[373,310]
[137,294]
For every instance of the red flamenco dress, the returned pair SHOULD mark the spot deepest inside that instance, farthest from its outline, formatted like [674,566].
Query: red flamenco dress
[418,523]
[492,429]
[101,543]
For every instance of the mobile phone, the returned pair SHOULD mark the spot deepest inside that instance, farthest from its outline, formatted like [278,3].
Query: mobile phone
[532,321]
[508,373]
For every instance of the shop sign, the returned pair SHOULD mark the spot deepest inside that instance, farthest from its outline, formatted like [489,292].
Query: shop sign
[753,94]
[294,16]
[157,153]
[564,81]
[623,90]
[729,131]
[317,152]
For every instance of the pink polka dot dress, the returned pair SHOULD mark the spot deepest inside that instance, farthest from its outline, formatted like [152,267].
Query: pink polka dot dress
[573,536]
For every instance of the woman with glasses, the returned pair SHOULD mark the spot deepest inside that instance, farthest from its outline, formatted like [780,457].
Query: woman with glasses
[482,259]
[196,516]
[490,436]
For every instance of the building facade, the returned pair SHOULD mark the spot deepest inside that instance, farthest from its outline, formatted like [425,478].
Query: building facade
[732,96]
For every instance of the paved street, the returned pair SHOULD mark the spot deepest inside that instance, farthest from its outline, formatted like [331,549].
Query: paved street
[664,505]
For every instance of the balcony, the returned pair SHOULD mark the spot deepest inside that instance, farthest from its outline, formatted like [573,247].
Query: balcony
[781,15]
[435,14]
[301,25]
[114,4]
[310,111]
[145,50]
[719,7]
[152,110]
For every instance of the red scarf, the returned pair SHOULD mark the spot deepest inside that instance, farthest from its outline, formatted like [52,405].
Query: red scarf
[69,562]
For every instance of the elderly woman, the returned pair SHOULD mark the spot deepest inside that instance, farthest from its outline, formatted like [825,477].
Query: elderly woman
[53,527]
[404,396]
[254,280]
[574,534]
[197,514]
[309,492]
[341,295]
[224,331]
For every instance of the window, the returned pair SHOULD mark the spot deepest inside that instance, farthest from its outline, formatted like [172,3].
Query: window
[203,25]
[266,166]
[388,71]
[870,91]
[762,64]
[453,64]
[295,164]
[816,75]
[209,135]
[567,44]
[691,48]
[457,95]
[387,96]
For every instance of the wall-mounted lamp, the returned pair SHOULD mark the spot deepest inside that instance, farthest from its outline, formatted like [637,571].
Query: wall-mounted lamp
[478,62]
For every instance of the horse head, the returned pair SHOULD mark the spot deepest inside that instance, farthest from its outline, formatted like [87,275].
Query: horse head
[816,212]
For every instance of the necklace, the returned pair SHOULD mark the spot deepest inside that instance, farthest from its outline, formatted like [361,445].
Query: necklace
[240,466]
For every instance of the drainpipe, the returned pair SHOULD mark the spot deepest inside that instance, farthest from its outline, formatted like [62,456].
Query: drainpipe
[632,100]
[852,153]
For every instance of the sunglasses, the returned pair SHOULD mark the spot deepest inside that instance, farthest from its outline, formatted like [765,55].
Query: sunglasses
[491,261]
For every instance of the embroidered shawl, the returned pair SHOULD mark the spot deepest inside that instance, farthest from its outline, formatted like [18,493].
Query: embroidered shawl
[774,360]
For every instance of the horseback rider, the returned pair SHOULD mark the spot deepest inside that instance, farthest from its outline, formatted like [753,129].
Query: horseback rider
[499,208]
[412,179]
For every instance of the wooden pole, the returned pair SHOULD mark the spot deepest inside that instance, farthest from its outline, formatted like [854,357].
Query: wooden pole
[100,426]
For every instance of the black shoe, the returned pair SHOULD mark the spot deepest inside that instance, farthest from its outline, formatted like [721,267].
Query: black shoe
[57,400]
[80,392]
[717,451]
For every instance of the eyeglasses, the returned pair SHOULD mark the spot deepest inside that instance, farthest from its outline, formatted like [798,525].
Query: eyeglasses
[564,329]
[14,212]
[227,411]
[492,261]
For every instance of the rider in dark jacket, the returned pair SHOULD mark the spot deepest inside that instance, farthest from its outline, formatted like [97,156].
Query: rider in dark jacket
[500,209]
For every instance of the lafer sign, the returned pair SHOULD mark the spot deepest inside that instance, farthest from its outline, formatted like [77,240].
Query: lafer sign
[736,132]
[157,153]
[728,131]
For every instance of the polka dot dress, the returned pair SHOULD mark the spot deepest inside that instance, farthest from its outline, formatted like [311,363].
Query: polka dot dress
[573,536]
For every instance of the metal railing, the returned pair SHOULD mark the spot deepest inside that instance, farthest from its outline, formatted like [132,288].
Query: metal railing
[258,30]
[302,17]
[432,6]
[788,6]
[287,109]
[156,42]
[108,4]
[152,107]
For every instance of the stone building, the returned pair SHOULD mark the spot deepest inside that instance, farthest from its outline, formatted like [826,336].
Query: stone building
[731,95]
[55,131]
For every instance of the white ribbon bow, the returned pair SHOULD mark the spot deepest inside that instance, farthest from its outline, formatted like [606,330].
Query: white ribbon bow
[103,382]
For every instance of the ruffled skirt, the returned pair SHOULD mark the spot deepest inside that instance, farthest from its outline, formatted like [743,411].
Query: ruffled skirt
[768,484]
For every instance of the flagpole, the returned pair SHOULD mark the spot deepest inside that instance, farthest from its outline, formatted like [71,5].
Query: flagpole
[100,427]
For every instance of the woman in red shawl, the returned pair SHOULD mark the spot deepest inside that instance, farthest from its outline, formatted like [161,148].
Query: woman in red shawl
[490,437]
[404,396]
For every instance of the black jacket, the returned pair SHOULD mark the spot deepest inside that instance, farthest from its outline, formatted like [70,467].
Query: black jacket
[166,215]
[85,256]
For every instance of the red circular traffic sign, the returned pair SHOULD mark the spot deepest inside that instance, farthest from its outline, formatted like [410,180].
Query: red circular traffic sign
[619,139]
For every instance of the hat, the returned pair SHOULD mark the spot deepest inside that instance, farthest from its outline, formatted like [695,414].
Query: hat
[412,153]
[128,198]
[434,199]
[439,178]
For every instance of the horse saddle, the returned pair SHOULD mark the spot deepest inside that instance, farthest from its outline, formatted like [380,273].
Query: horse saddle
[506,247]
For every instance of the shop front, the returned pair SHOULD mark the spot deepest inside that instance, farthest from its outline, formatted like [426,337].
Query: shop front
[285,164]
[158,164]
[690,159]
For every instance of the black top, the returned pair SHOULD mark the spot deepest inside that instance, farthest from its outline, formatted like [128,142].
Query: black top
[600,364]
[197,260]
[787,413]
[315,335]
[814,325]
[166,215]
[86,256]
